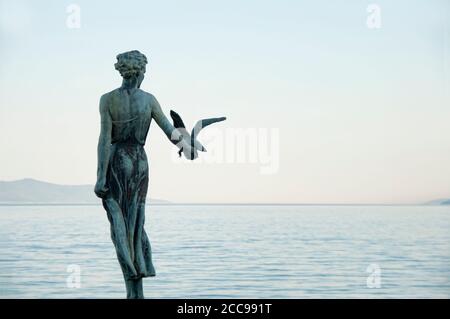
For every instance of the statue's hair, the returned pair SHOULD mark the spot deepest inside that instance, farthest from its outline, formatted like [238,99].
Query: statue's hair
[130,63]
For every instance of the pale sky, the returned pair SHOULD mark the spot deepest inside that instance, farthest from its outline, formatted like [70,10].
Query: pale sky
[361,115]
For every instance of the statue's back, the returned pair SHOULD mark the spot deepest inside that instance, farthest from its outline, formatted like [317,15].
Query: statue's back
[130,112]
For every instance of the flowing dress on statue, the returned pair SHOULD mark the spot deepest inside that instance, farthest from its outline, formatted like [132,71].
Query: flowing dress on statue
[127,179]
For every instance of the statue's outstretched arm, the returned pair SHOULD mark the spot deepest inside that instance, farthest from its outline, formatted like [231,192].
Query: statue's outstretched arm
[171,132]
[103,148]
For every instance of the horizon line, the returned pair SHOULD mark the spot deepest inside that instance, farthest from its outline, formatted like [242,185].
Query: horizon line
[168,202]
[226,204]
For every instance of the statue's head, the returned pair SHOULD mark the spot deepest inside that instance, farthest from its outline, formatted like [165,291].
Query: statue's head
[131,65]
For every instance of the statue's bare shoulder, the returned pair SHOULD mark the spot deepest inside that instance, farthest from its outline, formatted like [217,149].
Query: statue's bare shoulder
[105,99]
[152,102]
[105,102]
[150,98]
[115,101]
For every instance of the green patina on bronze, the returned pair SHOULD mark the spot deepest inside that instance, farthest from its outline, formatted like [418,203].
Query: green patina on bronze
[123,171]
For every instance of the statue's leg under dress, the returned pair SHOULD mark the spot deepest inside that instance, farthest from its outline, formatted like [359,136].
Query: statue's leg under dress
[125,206]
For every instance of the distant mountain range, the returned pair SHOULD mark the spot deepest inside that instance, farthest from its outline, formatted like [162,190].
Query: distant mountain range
[31,191]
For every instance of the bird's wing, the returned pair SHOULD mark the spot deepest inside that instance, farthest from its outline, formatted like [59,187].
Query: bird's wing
[179,125]
[177,121]
[204,123]
[199,146]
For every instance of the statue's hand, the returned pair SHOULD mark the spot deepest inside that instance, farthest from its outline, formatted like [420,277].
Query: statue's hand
[100,188]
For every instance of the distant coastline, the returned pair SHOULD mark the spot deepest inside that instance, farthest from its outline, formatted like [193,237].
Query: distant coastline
[32,192]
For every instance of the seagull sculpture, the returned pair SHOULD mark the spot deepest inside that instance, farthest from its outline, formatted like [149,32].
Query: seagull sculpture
[195,144]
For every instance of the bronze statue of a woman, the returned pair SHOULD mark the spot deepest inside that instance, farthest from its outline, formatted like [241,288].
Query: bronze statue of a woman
[123,172]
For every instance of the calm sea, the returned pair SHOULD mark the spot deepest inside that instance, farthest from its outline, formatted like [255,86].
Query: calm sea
[232,252]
